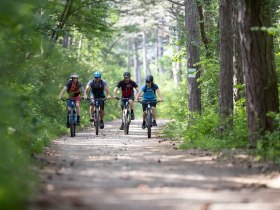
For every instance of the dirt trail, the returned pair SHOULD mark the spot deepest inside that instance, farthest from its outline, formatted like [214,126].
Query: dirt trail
[123,172]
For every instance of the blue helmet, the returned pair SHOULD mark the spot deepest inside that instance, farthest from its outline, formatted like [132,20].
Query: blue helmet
[97,74]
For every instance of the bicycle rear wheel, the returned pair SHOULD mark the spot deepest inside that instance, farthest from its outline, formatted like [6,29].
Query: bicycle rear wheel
[97,121]
[149,123]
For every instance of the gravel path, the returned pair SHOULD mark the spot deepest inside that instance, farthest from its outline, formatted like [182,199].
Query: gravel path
[123,172]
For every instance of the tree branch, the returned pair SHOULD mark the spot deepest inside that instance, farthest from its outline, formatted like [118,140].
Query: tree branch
[177,3]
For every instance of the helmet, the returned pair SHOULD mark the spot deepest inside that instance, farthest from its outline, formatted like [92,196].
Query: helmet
[97,74]
[74,75]
[149,78]
[126,74]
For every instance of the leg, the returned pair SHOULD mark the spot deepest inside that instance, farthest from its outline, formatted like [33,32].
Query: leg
[154,113]
[131,108]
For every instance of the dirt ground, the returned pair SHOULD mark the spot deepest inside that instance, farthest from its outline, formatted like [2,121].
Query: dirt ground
[123,172]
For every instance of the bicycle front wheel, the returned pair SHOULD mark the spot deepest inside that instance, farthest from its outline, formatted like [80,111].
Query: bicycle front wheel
[126,122]
[149,123]
[97,121]
[72,124]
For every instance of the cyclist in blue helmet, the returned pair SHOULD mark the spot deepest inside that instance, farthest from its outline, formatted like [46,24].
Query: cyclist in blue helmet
[97,88]
[148,92]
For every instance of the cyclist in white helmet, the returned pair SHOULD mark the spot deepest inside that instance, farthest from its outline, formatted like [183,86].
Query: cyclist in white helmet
[73,87]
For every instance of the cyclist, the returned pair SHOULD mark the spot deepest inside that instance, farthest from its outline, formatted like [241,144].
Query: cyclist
[127,86]
[96,87]
[73,87]
[149,91]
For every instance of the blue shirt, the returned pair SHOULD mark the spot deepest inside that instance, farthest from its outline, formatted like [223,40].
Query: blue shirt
[149,92]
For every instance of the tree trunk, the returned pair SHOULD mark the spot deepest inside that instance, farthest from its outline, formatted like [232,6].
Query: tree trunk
[204,38]
[160,47]
[136,62]
[259,67]
[145,63]
[63,18]
[192,25]
[226,65]
[237,58]
[128,66]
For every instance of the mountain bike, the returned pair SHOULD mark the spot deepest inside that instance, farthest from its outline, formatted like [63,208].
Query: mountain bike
[72,116]
[96,114]
[126,114]
[149,116]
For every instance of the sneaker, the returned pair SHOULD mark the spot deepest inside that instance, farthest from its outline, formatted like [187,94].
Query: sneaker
[132,116]
[122,127]
[154,123]
[144,125]
[101,124]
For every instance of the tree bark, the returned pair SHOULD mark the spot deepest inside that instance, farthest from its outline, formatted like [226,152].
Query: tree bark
[128,66]
[192,25]
[63,18]
[226,65]
[259,67]
[145,63]
[204,37]
[237,57]
[136,62]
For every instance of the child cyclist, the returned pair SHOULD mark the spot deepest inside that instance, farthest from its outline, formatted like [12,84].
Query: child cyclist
[148,93]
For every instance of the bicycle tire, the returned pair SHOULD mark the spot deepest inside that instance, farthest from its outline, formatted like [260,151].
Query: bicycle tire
[126,123]
[72,124]
[149,123]
[97,121]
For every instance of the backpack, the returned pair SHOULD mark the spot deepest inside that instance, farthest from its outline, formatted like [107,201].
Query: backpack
[69,84]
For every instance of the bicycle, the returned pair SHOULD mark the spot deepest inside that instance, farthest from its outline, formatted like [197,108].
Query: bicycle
[96,114]
[126,114]
[149,116]
[72,116]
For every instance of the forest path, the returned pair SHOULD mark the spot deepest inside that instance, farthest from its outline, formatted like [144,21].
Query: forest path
[123,172]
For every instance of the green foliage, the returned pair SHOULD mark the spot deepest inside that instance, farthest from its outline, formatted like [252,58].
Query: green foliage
[269,146]
[200,131]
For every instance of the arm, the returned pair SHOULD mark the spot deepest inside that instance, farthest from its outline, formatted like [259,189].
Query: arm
[139,94]
[159,94]
[87,91]
[115,91]
[62,92]
[106,88]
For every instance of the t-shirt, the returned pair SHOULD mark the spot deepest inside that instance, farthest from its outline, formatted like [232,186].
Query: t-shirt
[74,88]
[97,88]
[149,92]
[127,88]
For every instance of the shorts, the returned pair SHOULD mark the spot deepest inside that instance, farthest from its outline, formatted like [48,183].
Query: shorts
[123,101]
[101,103]
[68,102]
[145,105]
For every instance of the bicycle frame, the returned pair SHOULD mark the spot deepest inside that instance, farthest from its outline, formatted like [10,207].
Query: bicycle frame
[96,116]
[149,116]
[126,117]
[72,116]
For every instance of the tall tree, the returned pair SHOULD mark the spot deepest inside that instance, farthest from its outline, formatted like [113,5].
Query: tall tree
[259,66]
[226,64]
[192,25]
[237,58]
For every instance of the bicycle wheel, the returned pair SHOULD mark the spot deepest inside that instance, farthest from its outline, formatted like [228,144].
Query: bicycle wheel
[72,124]
[97,120]
[149,123]
[126,122]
